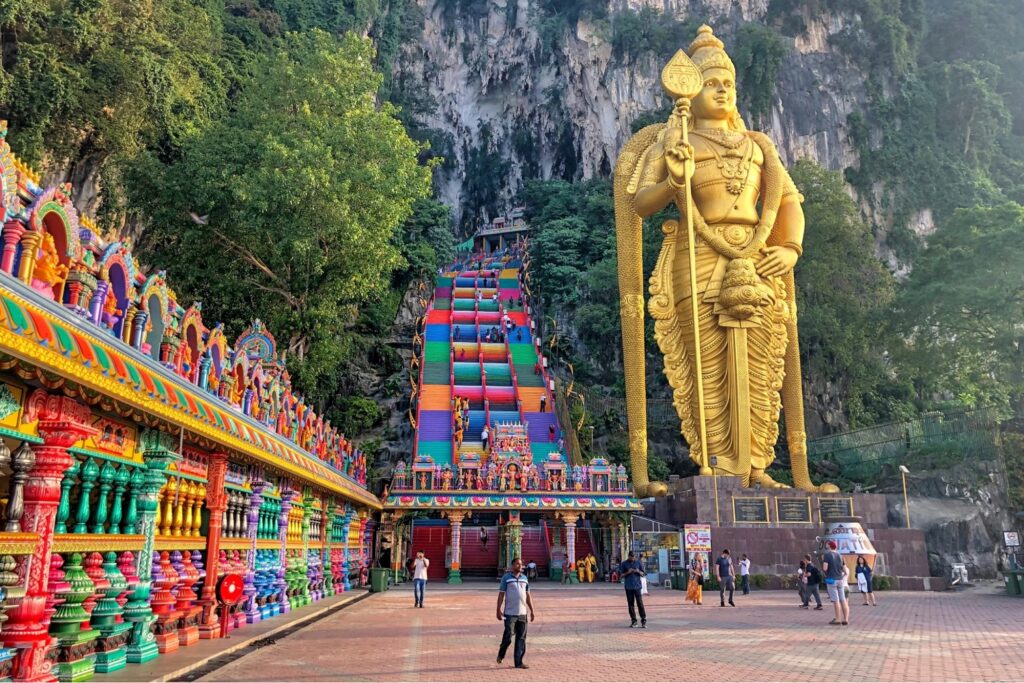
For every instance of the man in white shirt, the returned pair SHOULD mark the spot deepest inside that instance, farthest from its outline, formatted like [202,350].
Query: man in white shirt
[419,577]
[514,594]
[745,574]
[484,436]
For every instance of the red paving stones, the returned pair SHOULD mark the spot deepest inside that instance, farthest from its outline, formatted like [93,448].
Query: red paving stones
[581,634]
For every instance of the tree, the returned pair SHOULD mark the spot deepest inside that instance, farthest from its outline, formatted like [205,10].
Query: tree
[843,295]
[962,308]
[298,193]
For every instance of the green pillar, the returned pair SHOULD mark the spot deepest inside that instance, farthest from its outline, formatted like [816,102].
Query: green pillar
[158,455]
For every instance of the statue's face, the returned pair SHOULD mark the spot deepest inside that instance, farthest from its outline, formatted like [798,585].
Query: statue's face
[717,99]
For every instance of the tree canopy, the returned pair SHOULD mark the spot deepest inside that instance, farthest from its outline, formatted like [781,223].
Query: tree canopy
[289,205]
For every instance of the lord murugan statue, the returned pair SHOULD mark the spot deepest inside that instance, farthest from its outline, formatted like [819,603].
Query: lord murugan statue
[727,264]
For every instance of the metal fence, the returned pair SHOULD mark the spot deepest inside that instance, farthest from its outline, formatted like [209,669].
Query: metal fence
[930,441]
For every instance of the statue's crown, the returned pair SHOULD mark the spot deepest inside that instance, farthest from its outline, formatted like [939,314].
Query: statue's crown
[708,52]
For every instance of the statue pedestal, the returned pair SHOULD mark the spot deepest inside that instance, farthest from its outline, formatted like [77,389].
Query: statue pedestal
[775,528]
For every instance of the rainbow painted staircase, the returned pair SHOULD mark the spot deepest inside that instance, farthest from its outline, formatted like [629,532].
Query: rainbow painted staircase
[501,379]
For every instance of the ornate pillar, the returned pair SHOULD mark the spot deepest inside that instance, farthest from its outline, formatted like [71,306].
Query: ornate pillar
[327,543]
[62,422]
[127,322]
[515,536]
[216,503]
[30,241]
[252,610]
[345,534]
[99,297]
[139,328]
[158,456]
[455,518]
[570,519]
[282,532]
[12,232]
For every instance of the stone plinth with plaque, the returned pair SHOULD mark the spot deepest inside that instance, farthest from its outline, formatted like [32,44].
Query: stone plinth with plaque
[776,527]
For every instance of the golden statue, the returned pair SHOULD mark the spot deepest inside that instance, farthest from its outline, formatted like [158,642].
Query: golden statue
[737,260]
[48,268]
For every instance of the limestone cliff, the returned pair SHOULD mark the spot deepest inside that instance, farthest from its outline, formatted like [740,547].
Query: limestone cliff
[559,102]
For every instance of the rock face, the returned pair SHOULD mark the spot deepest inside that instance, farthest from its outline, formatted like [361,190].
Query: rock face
[562,107]
[962,511]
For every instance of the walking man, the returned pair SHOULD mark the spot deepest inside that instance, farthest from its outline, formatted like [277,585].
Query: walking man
[514,593]
[543,403]
[484,437]
[419,577]
[726,577]
[745,574]
[812,583]
[632,572]
[835,578]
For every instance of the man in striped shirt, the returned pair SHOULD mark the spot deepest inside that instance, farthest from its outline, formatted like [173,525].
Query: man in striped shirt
[514,603]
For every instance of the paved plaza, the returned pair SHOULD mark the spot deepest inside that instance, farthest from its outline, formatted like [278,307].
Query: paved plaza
[582,633]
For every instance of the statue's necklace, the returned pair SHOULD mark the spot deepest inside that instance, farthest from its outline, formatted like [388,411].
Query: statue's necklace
[734,164]
[727,139]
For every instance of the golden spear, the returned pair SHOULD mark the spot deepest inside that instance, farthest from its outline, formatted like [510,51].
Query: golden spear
[683,81]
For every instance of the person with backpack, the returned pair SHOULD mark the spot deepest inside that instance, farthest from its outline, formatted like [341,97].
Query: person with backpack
[812,582]
[835,581]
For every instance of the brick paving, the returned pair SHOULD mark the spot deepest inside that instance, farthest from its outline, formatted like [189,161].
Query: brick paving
[582,633]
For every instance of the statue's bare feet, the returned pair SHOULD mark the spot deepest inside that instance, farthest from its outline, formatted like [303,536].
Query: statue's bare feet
[761,477]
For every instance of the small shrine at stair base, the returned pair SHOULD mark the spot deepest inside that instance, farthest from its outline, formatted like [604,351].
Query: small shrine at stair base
[495,472]
[144,456]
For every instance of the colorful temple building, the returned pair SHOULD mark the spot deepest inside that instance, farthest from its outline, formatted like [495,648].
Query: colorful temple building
[144,457]
[494,473]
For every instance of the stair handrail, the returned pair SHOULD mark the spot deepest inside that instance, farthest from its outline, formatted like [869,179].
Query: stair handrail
[423,363]
[511,364]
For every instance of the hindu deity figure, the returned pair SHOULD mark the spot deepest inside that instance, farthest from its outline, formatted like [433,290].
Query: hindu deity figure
[739,270]
[48,271]
[446,479]
[111,313]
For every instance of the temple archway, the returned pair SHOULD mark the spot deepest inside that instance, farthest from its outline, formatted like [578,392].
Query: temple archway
[156,325]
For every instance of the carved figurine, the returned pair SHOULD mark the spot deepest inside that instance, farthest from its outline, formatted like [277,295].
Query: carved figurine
[48,271]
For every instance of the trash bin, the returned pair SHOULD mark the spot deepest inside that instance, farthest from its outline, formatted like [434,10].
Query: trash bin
[378,579]
[1013,582]
[679,579]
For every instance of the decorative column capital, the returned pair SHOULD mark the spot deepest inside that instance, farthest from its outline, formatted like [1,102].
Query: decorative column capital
[570,518]
[456,516]
[62,421]
[216,495]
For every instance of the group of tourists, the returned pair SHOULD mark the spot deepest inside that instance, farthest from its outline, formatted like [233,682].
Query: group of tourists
[836,575]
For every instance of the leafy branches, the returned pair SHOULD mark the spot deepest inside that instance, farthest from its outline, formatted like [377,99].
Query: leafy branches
[304,184]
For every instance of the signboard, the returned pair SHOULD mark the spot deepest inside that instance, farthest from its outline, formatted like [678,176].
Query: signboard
[793,510]
[697,543]
[113,438]
[192,462]
[750,510]
[697,538]
[830,508]
[1011,539]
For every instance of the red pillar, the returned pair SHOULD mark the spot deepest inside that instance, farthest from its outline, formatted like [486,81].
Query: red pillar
[216,504]
[62,423]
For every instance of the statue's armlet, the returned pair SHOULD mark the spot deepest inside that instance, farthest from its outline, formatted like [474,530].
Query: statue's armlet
[789,191]
[653,169]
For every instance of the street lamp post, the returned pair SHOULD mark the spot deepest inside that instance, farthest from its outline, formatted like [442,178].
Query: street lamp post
[906,504]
